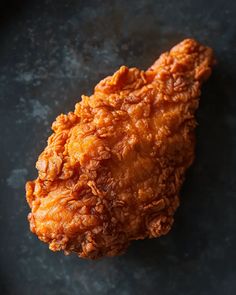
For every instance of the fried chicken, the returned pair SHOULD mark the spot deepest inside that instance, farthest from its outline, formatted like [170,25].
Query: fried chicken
[112,170]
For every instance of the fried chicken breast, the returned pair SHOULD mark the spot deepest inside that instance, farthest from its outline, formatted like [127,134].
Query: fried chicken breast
[112,169]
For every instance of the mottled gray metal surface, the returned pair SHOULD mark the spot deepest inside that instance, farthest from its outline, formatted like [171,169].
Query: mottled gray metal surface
[50,54]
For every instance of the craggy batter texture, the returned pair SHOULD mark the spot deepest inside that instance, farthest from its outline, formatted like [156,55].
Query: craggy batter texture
[112,170]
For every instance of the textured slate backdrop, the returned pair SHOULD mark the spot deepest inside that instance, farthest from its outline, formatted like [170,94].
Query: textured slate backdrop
[51,52]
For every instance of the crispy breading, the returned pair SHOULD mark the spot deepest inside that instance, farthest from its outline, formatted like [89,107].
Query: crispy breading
[113,168]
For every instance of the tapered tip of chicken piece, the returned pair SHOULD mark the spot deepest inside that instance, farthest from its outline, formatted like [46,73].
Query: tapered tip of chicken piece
[113,169]
[190,58]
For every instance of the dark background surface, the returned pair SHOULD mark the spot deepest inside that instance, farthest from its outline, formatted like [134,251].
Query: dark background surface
[51,52]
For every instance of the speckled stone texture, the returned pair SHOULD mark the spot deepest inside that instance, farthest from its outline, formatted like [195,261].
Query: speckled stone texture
[52,52]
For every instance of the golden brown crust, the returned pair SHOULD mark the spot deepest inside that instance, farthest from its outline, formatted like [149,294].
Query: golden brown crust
[113,168]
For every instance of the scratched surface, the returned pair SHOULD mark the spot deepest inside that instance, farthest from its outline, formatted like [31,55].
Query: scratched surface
[50,54]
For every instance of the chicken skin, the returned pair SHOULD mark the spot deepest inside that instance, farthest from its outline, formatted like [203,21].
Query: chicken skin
[113,169]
